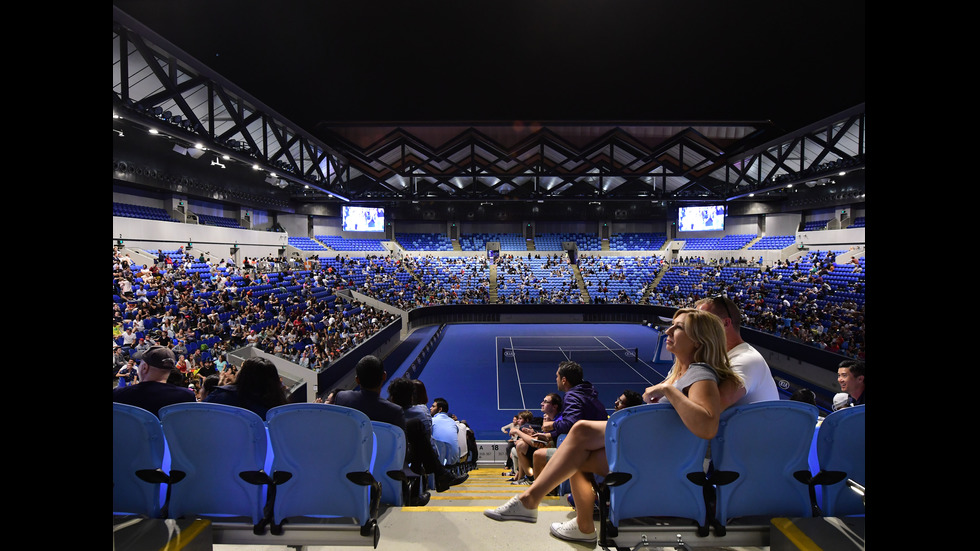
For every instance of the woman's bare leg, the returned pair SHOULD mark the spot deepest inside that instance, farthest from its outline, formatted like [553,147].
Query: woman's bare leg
[584,449]
[584,497]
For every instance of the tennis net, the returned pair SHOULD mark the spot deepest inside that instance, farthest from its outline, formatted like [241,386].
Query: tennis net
[559,354]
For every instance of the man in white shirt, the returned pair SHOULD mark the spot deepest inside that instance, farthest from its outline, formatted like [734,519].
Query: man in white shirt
[125,288]
[759,384]
[461,437]
[128,339]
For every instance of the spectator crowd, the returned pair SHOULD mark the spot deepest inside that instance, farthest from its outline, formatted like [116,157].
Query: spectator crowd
[202,308]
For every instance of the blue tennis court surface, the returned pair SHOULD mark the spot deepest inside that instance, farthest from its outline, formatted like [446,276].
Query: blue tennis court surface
[487,386]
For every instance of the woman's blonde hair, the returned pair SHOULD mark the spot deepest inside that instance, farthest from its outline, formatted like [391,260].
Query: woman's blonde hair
[708,331]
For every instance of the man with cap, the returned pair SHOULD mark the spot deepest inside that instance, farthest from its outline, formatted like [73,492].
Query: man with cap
[142,345]
[153,391]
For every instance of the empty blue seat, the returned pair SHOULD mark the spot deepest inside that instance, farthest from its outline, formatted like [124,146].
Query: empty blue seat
[840,449]
[765,447]
[322,465]
[222,451]
[388,461]
[138,451]
[652,457]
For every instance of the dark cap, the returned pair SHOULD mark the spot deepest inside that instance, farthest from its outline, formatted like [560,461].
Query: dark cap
[159,357]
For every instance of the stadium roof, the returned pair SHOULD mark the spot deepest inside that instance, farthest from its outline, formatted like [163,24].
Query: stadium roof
[533,101]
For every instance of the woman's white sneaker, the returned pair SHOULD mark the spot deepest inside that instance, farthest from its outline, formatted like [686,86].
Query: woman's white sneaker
[569,531]
[513,510]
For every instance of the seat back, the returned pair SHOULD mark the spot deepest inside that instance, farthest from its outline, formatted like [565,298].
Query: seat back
[319,444]
[840,447]
[765,443]
[137,444]
[389,455]
[213,444]
[651,444]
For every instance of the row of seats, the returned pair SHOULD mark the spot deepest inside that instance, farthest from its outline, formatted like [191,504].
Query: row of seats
[339,243]
[768,459]
[621,273]
[478,241]
[224,463]
[553,241]
[455,277]
[424,241]
[815,225]
[773,243]
[545,242]
[155,213]
[726,243]
[139,211]
[641,241]
[306,244]
[220,221]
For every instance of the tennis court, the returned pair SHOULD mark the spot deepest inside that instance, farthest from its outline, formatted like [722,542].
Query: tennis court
[490,372]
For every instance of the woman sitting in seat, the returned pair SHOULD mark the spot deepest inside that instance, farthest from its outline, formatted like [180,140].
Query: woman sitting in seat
[700,374]
[257,388]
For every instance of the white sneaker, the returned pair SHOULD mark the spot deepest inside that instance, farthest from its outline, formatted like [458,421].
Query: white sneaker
[569,531]
[513,510]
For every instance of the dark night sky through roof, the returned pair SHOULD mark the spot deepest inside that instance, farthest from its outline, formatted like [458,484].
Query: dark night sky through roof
[790,62]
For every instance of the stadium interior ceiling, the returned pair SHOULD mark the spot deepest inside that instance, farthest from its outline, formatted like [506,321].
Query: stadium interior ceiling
[181,128]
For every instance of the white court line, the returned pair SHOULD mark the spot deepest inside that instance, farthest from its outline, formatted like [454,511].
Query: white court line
[622,359]
[560,349]
[642,362]
[496,366]
[520,387]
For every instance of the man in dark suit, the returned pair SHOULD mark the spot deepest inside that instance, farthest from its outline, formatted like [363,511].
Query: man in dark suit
[370,375]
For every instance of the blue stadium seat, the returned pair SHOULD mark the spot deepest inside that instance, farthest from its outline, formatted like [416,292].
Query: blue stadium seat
[140,461]
[388,461]
[840,449]
[651,456]
[322,465]
[765,447]
[222,451]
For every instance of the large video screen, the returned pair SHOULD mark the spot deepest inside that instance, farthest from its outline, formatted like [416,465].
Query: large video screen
[701,218]
[363,219]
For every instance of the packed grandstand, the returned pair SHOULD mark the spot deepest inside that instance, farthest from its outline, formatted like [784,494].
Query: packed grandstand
[289,307]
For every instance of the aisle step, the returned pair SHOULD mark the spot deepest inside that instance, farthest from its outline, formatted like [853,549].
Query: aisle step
[484,484]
